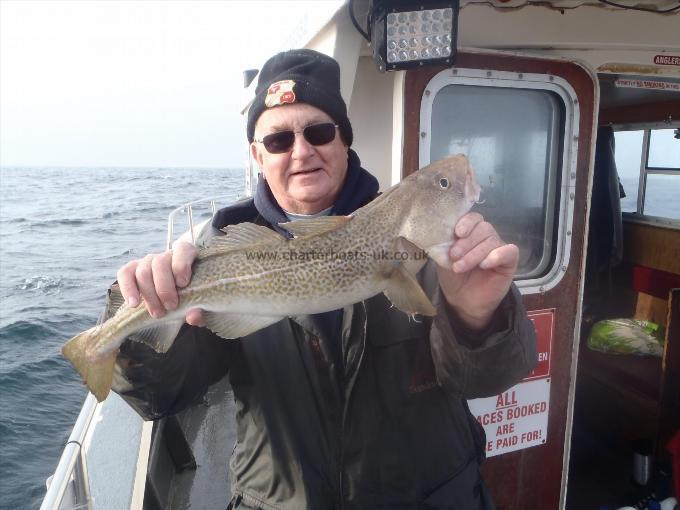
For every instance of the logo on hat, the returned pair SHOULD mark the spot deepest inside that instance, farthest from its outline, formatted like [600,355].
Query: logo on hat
[280,93]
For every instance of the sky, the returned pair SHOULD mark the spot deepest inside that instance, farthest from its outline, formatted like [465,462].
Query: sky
[155,83]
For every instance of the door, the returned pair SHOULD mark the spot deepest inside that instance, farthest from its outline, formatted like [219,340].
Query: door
[526,124]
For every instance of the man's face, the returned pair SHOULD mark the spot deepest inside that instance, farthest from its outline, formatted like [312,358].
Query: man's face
[307,178]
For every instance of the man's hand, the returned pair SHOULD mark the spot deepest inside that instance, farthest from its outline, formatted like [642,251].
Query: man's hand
[156,278]
[481,272]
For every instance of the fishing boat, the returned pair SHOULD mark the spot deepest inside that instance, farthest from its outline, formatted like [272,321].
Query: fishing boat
[536,94]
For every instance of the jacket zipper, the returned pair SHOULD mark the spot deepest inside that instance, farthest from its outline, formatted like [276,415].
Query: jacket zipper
[348,395]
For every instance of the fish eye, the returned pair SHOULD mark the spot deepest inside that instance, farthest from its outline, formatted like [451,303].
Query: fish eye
[444,183]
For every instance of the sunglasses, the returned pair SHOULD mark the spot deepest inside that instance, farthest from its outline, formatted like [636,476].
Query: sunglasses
[282,141]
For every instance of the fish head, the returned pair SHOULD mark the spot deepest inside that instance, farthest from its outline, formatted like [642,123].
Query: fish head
[437,196]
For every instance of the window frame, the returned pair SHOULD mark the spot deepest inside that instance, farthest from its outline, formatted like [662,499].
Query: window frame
[645,170]
[563,195]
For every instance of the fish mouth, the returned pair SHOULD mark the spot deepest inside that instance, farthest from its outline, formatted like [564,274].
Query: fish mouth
[479,200]
[473,190]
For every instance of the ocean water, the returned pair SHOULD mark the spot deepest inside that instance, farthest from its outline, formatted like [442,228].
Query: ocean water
[662,195]
[64,232]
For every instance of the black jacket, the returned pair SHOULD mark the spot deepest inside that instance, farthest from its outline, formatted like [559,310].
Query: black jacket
[368,414]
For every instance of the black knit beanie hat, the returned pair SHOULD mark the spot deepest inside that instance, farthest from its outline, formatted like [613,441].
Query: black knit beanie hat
[300,76]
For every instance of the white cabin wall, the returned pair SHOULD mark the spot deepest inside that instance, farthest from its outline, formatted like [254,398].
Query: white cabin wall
[367,93]
[370,111]
[617,61]
[340,40]
[621,41]
[586,27]
[601,37]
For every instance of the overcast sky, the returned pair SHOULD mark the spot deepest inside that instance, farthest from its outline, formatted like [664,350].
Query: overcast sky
[135,83]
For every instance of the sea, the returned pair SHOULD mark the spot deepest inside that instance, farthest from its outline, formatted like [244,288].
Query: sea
[64,232]
[662,196]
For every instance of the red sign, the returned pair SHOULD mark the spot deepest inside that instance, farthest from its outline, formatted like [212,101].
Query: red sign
[543,321]
[667,60]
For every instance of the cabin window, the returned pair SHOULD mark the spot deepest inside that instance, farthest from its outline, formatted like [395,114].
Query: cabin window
[648,164]
[513,138]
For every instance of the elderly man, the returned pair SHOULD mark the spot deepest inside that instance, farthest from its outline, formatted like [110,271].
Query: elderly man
[354,408]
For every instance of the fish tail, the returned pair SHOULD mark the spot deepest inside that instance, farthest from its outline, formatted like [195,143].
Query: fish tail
[96,371]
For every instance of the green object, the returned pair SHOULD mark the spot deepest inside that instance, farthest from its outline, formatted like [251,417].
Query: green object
[626,336]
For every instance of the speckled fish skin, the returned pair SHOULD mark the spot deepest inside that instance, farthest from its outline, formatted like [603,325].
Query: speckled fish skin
[253,277]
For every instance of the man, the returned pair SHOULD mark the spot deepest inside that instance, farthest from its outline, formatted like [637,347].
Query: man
[354,408]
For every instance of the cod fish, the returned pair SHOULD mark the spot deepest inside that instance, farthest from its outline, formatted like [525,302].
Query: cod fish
[253,277]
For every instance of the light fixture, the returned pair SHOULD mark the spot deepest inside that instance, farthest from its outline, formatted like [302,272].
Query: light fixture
[411,34]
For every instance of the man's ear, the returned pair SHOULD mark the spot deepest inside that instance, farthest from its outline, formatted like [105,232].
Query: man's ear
[256,155]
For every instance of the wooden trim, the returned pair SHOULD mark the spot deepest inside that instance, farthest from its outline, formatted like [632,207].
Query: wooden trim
[639,113]
[650,246]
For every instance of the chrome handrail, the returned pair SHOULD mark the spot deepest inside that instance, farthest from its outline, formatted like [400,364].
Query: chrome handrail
[72,464]
[188,210]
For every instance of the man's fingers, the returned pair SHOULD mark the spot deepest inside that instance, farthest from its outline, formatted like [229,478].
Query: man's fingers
[504,259]
[479,245]
[467,223]
[195,317]
[128,283]
[477,254]
[481,232]
[155,279]
[183,256]
[164,280]
[145,283]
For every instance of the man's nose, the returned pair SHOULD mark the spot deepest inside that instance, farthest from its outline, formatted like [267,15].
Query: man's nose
[301,147]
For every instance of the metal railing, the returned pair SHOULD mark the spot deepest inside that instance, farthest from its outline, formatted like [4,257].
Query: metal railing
[71,475]
[188,209]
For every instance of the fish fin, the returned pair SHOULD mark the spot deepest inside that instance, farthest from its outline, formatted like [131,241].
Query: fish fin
[377,201]
[405,293]
[159,336]
[239,235]
[312,226]
[115,300]
[247,233]
[417,257]
[228,325]
[97,372]
[440,254]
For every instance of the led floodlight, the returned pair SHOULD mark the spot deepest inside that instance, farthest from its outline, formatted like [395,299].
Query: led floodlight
[406,34]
